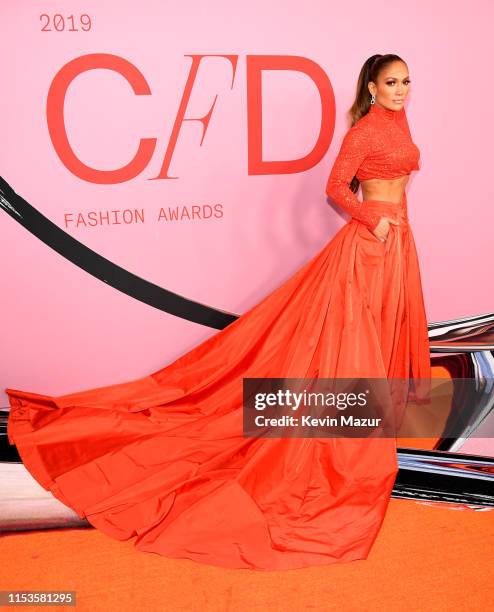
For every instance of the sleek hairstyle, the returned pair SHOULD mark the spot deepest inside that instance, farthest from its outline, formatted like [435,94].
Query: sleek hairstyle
[360,107]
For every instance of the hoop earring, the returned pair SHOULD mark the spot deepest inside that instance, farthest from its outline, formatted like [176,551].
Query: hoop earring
[373,99]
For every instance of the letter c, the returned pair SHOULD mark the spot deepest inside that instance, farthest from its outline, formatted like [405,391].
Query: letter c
[56,124]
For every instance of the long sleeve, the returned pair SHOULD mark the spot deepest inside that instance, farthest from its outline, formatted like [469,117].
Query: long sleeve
[354,149]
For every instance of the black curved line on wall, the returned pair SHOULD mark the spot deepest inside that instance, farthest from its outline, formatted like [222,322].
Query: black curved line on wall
[104,269]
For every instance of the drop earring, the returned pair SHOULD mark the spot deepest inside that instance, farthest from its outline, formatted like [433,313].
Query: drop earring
[373,99]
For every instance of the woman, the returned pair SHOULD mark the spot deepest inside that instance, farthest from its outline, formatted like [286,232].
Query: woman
[164,458]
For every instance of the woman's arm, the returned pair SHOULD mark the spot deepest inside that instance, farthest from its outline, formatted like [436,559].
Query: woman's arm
[354,149]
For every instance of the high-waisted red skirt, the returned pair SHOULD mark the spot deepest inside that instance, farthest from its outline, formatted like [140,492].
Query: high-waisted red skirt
[163,458]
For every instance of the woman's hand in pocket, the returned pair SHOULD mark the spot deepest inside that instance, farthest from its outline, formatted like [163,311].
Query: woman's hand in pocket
[381,230]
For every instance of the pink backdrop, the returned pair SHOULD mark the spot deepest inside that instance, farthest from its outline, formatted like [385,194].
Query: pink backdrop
[64,330]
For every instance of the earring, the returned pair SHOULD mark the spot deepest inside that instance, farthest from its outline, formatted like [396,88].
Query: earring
[373,99]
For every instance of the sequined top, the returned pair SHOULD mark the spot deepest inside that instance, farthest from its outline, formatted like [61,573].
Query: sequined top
[378,145]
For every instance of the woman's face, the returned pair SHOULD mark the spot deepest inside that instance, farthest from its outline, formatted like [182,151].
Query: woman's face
[392,86]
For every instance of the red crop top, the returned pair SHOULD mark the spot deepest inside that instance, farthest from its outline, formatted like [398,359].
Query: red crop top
[378,145]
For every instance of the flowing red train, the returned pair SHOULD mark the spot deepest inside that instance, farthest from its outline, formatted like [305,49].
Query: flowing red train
[163,457]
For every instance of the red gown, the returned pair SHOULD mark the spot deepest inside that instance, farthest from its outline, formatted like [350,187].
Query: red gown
[163,458]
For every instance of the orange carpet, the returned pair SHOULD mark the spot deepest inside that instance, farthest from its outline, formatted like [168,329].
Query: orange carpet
[425,558]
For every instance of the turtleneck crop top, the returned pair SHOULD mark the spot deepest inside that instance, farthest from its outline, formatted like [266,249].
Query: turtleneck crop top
[378,145]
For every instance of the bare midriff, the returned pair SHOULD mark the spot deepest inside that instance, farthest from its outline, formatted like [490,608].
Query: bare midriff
[386,190]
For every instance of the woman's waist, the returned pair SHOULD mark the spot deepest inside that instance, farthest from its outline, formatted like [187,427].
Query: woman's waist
[385,208]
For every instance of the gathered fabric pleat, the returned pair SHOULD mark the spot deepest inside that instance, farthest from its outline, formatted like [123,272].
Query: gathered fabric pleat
[163,458]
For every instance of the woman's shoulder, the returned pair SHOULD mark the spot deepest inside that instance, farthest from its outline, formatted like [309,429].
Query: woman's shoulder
[361,129]
[364,124]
